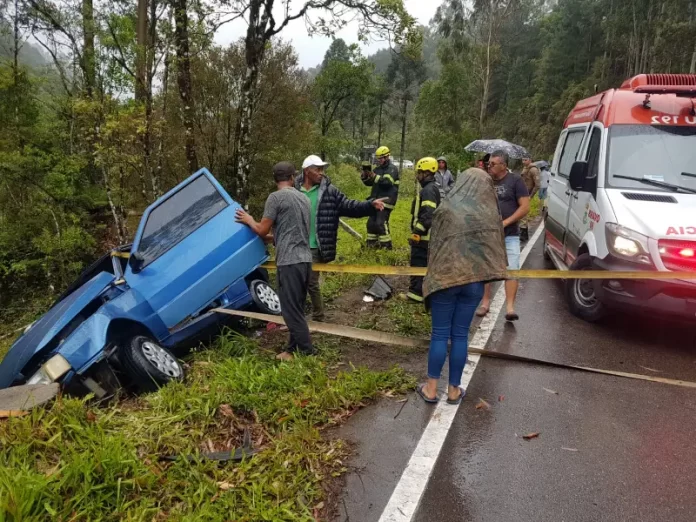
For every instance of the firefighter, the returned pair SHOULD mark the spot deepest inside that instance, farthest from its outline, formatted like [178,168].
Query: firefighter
[422,210]
[384,181]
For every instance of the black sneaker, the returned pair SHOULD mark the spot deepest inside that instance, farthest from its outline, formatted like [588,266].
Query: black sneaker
[524,235]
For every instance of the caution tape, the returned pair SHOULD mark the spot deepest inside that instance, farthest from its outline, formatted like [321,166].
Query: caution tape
[392,339]
[513,274]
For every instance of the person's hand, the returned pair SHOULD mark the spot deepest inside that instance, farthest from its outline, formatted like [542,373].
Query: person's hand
[240,216]
[506,223]
[379,203]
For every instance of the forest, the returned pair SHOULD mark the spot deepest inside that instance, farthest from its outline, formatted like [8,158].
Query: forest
[105,105]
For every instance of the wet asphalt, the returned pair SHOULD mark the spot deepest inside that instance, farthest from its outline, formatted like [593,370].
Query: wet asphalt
[608,448]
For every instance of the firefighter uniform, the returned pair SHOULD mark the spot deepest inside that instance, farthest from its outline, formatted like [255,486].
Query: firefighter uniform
[422,210]
[385,184]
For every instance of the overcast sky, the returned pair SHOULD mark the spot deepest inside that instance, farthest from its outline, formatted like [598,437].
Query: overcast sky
[311,49]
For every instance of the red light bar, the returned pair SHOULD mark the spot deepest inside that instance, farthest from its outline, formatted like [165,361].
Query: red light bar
[680,84]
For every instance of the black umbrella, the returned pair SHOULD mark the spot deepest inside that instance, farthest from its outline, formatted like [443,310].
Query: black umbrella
[491,146]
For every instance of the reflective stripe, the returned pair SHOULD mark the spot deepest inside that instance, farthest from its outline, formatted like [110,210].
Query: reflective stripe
[388,176]
[416,206]
[386,228]
[419,226]
[385,239]
[390,207]
[427,203]
[397,182]
[372,236]
[415,297]
[377,178]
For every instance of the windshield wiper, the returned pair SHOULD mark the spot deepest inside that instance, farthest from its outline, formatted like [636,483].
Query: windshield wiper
[688,175]
[655,183]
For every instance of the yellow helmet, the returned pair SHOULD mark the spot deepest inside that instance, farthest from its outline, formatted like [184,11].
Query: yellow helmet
[382,151]
[427,165]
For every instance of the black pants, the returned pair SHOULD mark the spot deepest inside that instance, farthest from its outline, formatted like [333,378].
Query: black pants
[419,258]
[378,234]
[293,281]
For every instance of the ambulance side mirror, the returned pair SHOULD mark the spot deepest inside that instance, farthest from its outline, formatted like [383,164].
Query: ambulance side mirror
[578,175]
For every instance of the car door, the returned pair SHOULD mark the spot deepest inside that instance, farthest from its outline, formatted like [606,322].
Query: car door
[189,249]
[559,200]
[584,214]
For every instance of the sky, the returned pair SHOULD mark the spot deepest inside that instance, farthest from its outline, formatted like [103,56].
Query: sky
[311,49]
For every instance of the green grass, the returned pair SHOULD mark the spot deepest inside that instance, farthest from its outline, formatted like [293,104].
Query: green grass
[74,461]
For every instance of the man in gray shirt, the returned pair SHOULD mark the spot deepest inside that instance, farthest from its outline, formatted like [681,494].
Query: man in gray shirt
[287,213]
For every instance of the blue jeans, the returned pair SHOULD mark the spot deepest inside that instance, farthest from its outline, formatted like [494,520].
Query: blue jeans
[452,310]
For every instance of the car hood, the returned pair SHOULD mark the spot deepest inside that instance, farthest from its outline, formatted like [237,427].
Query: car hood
[655,219]
[43,331]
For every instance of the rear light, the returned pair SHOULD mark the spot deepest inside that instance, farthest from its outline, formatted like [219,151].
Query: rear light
[678,255]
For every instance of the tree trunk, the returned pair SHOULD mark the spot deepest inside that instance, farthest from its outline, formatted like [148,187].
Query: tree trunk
[183,67]
[379,125]
[149,47]
[487,74]
[15,73]
[165,86]
[403,132]
[692,68]
[112,207]
[255,49]
[141,54]
[88,57]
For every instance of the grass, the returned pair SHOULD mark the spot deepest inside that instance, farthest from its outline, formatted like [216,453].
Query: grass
[73,461]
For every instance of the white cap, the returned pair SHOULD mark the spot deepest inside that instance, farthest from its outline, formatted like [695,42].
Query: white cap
[314,161]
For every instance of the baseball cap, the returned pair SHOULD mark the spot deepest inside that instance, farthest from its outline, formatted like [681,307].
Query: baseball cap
[314,161]
[283,171]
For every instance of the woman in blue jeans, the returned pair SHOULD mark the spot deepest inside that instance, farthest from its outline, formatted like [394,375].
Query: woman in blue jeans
[467,249]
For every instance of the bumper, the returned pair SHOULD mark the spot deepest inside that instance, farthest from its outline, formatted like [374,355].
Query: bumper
[674,298]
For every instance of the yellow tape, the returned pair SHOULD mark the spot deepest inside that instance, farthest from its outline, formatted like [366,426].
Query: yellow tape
[124,255]
[513,274]
[388,338]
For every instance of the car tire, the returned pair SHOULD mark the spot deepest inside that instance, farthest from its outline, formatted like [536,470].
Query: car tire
[546,254]
[580,295]
[149,365]
[265,298]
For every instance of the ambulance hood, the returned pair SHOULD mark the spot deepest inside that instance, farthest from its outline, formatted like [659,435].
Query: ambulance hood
[639,211]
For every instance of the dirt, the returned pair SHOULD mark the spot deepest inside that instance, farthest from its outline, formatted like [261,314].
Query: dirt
[350,310]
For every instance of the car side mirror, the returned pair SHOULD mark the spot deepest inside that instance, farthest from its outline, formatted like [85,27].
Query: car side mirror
[136,262]
[578,175]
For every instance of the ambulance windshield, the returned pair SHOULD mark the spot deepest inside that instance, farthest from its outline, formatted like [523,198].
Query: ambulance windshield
[659,153]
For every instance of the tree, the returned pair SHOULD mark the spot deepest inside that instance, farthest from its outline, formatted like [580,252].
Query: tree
[405,75]
[342,78]
[388,19]
[183,67]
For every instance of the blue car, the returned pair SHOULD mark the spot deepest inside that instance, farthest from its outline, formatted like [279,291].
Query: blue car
[114,327]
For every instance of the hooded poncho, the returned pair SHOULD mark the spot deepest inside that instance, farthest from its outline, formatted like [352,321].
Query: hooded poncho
[466,240]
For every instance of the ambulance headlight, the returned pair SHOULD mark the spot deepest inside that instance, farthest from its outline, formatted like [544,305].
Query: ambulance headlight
[628,244]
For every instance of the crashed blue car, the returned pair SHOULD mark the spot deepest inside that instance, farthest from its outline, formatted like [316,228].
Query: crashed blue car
[115,326]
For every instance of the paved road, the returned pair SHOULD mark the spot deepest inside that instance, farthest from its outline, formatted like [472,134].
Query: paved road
[609,449]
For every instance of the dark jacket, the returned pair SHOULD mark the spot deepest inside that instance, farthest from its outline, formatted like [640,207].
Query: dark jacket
[422,211]
[385,184]
[332,204]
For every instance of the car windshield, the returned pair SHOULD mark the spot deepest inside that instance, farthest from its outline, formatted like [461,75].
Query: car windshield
[659,153]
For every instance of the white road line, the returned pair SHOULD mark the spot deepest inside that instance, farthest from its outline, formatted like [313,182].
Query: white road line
[407,495]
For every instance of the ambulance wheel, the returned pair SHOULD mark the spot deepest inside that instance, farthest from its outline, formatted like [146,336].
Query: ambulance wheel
[582,299]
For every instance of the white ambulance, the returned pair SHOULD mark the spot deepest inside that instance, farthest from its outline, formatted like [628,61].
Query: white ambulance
[622,196]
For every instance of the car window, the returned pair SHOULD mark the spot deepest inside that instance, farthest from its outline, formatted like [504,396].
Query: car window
[570,152]
[178,216]
[593,153]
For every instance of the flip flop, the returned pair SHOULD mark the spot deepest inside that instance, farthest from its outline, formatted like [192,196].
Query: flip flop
[423,396]
[458,400]
[512,317]
[482,311]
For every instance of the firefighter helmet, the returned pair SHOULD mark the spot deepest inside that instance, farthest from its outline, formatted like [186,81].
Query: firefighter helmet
[382,151]
[427,165]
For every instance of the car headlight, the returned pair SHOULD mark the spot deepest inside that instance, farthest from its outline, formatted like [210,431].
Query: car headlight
[628,244]
[51,370]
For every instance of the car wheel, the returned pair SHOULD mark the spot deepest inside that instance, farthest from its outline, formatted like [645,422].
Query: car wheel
[149,365]
[580,293]
[265,298]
